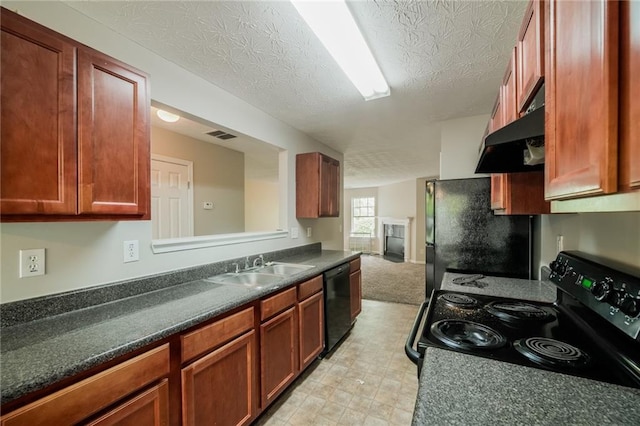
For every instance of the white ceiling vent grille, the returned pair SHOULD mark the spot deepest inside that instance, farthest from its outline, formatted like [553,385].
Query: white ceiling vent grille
[221,135]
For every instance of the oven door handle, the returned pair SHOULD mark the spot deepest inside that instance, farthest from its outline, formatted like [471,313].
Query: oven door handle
[413,354]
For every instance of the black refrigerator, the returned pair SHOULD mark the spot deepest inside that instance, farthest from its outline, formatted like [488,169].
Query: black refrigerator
[463,234]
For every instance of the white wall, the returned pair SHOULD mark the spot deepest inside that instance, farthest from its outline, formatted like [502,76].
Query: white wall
[261,205]
[459,143]
[612,235]
[86,254]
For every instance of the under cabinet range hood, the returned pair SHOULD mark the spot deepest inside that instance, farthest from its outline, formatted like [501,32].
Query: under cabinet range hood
[518,146]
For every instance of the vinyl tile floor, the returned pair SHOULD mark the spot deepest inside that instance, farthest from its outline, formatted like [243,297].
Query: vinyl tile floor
[367,380]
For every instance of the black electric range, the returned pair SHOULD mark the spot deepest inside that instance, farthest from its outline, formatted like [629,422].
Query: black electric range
[592,330]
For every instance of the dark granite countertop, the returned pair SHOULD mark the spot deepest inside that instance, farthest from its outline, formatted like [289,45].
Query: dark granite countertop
[460,389]
[534,290]
[38,353]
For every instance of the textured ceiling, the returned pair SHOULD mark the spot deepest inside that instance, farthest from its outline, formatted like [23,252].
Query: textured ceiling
[442,59]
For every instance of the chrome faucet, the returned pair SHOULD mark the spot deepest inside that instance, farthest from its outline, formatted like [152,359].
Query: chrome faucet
[246,262]
[237,267]
[255,261]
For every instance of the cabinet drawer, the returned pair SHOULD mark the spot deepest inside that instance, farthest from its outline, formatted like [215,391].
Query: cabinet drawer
[310,287]
[76,402]
[354,265]
[278,303]
[212,335]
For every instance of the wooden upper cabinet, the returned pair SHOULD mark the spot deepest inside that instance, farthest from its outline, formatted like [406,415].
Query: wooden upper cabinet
[509,89]
[629,91]
[113,131]
[581,74]
[38,158]
[497,191]
[497,114]
[317,186]
[75,129]
[530,65]
[520,193]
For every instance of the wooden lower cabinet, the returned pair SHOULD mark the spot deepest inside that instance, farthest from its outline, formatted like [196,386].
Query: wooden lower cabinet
[311,328]
[81,401]
[355,281]
[149,408]
[219,389]
[278,354]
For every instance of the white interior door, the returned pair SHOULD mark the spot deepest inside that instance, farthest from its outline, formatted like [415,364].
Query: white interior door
[171,197]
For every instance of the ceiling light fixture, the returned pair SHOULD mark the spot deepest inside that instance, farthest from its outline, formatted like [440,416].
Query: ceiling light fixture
[167,116]
[334,25]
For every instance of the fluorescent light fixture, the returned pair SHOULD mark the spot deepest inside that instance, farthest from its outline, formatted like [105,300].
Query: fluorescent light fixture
[334,25]
[167,116]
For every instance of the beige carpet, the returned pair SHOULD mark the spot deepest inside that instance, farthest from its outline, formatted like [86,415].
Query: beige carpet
[392,282]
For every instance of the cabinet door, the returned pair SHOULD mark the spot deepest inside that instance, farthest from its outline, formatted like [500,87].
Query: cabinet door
[38,106]
[220,387]
[278,354]
[311,331]
[497,191]
[523,193]
[581,73]
[149,408]
[329,187]
[508,91]
[76,403]
[629,91]
[530,67]
[355,281]
[497,118]
[113,131]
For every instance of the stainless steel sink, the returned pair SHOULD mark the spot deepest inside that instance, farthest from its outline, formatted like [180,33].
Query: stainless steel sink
[260,277]
[285,269]
[248,279]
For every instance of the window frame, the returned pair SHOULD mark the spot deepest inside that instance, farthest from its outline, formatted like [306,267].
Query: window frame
[370,204]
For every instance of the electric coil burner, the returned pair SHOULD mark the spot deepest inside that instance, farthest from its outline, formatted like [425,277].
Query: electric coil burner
[467,335]
[592,330]
[515,311]
[457,300]
[550,352]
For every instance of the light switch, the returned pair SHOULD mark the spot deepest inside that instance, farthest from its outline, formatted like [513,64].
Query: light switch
[207,205]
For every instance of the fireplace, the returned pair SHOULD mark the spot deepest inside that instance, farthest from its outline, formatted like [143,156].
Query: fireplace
[394,238]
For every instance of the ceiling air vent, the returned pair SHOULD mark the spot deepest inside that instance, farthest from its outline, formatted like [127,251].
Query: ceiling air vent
[221,135]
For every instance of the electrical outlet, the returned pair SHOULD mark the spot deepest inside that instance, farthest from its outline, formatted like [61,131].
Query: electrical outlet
[207,205]
[131,251]
[294,232]
[309,231]
[32,263]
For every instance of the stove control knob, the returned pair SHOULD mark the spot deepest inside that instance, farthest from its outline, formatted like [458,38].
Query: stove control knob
[630,306]
[557,267]
[602,289]
[616,298]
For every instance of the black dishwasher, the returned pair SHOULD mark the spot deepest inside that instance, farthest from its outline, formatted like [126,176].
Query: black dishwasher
[337,306]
